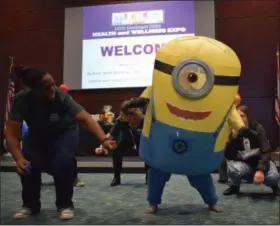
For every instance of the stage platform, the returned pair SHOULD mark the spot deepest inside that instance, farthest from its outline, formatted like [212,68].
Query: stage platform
[93,164]
[89,164]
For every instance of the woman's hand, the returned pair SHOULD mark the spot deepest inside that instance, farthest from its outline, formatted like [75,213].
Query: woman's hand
[100,150]
[109,144]
[259,177]
[105,146]
[23,166]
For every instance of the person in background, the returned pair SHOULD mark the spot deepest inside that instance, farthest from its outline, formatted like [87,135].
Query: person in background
[78,182]
[249,158]
[52,117]
[127,131]
[128,125]
[223,178]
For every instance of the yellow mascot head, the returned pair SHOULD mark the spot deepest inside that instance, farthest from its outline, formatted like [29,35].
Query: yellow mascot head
[195,81]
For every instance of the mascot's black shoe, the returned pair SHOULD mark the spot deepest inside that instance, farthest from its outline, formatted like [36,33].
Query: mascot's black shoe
[232,190]
[115,182]
[223,181]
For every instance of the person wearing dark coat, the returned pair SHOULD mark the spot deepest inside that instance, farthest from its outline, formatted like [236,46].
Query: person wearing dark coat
[127,132]
[249,158]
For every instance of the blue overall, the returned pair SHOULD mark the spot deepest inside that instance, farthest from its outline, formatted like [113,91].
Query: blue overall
[173,150]
[24,129]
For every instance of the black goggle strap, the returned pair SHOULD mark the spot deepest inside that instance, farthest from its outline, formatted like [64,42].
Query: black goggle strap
[220,80]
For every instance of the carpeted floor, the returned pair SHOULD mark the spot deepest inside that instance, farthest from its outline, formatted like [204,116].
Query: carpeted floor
[98,203]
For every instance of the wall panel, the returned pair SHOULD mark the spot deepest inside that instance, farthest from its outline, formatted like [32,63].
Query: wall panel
[32,32]
[252,29]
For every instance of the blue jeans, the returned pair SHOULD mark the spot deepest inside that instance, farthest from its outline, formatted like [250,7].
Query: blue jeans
[238,171]
[58,159]
[203,183]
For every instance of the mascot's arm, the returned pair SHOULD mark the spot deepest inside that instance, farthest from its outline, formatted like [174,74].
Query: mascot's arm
[235,121]
[148,115]
[147,92]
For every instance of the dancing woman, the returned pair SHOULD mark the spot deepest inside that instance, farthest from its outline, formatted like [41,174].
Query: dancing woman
[52,117]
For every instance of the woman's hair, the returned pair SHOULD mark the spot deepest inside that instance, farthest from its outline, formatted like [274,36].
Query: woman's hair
[136,112]
[31,77]
[245,110]
[123,117]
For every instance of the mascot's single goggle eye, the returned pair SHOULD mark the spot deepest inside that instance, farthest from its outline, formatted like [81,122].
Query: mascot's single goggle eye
[193,78]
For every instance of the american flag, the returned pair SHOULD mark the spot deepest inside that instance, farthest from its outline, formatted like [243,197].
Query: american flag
[11,93]
[277,96]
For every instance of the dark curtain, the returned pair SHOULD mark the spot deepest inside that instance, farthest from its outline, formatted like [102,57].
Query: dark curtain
[3,97]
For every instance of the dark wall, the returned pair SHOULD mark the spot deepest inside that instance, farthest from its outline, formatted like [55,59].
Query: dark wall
[252,29]
[33,34]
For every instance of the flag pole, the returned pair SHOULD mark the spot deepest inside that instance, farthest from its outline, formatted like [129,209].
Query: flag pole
[11,63]
[278,86]
[11,58]
[278,72]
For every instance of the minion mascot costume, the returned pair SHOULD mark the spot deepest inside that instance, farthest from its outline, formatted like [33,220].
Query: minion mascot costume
[190,111]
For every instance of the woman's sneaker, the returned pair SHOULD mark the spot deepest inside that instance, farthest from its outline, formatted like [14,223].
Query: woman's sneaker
[79,183]
[153,209]
[66,214]
[22,213]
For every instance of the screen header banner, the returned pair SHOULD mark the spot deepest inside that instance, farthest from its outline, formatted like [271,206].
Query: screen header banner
[138,19]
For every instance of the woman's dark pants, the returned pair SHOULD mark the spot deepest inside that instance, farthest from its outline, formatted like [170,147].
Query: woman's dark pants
[127,142]
[57,158]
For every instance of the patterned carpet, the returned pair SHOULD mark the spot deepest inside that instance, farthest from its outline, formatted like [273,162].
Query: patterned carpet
[98,203]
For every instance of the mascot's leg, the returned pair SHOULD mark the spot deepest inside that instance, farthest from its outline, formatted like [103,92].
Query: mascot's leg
[156,182]
[205,186]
